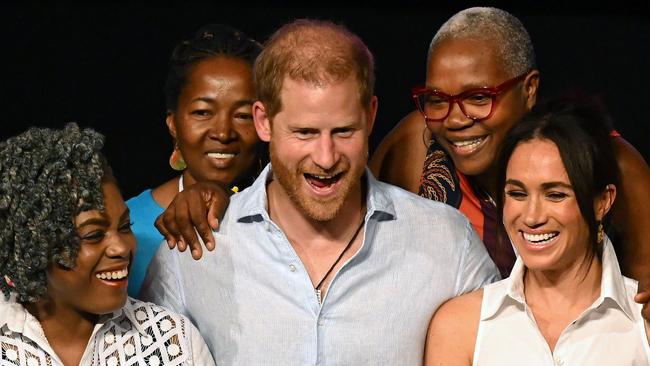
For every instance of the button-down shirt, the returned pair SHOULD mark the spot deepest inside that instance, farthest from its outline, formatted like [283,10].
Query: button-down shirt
[254,303]
[138,334]
[609,332]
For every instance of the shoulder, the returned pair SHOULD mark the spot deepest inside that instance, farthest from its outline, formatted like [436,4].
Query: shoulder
[152,329]
[408,203]
[143,197]
[453,329]
[400,156]
[629,159]
[143,205]
[148,317]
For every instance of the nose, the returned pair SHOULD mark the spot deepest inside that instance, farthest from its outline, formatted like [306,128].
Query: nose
[325,154]
[223,130]
[120,246]
[534,213]
[457,120]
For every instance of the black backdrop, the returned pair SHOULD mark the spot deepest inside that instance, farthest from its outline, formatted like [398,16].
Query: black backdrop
[103,65]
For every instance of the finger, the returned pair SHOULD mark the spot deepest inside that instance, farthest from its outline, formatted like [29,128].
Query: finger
[642,297]
[200,222]
[213,216]
[643,291]
[166,224]
[645,312]
[197,252]
[184,223]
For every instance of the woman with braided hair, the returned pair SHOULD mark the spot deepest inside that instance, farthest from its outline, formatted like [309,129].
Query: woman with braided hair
[209,96]
[66,247]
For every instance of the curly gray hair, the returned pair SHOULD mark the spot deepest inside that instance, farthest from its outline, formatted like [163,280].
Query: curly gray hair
[512,42]
[47,177]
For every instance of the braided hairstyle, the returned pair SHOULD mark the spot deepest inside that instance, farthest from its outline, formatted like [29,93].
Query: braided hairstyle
[210,40]
[47,177]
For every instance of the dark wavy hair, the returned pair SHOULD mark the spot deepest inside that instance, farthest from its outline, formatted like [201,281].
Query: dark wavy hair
[47,177]
[210,40]
[580,127]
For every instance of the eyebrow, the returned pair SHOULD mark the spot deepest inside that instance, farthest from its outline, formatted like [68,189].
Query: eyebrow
[465,87]
[213,100]
[546,185]
[103,220]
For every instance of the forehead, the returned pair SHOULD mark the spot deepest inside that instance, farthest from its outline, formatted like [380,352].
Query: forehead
[113,202]
[537,160]
[327,104]
[217,68]
[457,64]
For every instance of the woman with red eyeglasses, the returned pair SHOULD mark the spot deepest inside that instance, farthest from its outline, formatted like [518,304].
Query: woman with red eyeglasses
[481,80]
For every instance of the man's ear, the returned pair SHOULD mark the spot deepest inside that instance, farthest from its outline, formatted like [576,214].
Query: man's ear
[531,86]
[262,122]
[374,104]
[171,126]
[604,201]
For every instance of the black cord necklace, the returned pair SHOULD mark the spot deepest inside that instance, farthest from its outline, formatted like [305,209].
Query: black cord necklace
[318,287]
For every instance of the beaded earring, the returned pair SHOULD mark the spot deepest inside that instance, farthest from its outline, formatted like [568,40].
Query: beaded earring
[601,233]
[176,159]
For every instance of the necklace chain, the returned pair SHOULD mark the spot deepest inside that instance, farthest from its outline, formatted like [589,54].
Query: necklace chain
[317,289]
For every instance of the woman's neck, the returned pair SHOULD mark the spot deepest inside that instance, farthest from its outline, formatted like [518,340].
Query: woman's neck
[67,330]
[557,298]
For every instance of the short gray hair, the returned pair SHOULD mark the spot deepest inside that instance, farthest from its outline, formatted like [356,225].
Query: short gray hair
[491,24]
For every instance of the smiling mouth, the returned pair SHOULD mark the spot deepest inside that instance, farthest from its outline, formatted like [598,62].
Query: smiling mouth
[467,146]
[221,155]
[113,275]
[319,181]
[540,239]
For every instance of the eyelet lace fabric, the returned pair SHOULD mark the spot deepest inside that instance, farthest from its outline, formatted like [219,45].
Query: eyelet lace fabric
[139,334]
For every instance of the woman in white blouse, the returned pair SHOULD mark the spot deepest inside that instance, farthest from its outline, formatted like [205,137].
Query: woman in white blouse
[65,251]
[565,302]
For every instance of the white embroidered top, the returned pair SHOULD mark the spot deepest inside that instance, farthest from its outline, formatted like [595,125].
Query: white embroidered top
[138,334]
[609,332]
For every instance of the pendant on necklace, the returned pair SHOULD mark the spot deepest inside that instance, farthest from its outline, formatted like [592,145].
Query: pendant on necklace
[318,296]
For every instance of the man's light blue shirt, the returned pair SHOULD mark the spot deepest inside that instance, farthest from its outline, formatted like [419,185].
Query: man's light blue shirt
[254,302]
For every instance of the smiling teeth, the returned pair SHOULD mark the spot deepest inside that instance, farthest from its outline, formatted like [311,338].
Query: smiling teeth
[323,176]
[115,275]
[468,143]
[539,238]
[221,155]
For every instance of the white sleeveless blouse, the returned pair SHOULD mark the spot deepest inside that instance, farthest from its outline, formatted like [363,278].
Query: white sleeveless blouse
[610,332]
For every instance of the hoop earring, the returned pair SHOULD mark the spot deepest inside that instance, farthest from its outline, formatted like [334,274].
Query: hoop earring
[176,160]
[427,142]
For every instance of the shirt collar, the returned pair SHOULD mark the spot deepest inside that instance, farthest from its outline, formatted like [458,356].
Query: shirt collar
[612,285]
[254,202]
[12,314]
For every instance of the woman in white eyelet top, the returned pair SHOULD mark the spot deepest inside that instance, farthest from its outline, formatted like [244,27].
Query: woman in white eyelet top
[66,248]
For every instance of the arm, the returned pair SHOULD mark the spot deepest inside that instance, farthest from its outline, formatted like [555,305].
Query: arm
[452,332]
[399,158]
[476,268]
[199,207]
[631,211]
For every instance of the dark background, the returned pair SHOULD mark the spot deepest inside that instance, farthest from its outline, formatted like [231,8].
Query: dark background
[103,65]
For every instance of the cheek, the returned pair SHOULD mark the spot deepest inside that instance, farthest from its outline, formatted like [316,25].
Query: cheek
[436,128]
[248,137]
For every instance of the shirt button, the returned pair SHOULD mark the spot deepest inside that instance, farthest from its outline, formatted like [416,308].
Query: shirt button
[321,322]
[559,362]
[292,268]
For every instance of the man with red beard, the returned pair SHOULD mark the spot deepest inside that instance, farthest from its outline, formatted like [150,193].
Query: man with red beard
[317,262]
